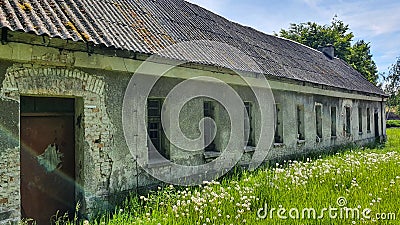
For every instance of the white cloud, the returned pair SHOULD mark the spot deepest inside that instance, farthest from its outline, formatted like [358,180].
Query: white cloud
[370,17]
[212,5]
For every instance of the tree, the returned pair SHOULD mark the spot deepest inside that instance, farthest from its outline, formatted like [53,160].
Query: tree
[339,35]
[360,58]
[392,86]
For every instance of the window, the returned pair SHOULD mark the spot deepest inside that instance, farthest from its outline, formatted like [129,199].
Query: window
[333,121]
[208,110]
[300,122]
[318,121]
[154,126]
[248,125]
[347,127]
[360,121]
[368,120]
[278,124]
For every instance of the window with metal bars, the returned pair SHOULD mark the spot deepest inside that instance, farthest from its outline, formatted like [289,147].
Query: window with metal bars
[318,121]
[347,126]
[154,127]
[208,111]
[300,122]
[360,120]
[333,121]
[278,124]
[248,125]
[368,120]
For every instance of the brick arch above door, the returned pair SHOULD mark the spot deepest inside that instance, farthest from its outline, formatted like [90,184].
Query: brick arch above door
[98,130]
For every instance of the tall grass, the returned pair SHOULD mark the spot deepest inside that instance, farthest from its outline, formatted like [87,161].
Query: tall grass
[360,178]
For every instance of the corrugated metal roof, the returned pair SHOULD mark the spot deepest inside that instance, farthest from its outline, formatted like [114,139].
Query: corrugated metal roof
[149,26]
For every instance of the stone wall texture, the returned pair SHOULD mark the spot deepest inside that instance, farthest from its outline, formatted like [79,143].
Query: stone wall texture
[105,168]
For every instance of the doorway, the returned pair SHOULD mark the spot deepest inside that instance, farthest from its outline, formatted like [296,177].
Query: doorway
[47,158]
[376,122]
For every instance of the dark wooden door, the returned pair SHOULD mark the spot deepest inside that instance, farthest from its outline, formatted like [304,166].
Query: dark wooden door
[47,166]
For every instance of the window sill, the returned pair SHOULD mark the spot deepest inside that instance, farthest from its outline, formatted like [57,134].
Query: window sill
[211,154]
[300,142]
[360,133]
[279,145]
[333,137]
[158,163]
[249,149]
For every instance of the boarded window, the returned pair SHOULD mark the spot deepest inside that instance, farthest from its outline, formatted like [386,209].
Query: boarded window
[347,126]
[368,120]
[248,125]
[333,121]
[360,120]
[300,122]
[318,120]
[208,111]
[278,124]
[154,126]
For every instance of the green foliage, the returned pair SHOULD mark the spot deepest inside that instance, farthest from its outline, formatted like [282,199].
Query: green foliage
[393,123]
[393,79]
[392,86]
[360,58]
[339,35]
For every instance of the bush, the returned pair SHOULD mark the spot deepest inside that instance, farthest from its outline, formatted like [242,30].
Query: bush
[393,123]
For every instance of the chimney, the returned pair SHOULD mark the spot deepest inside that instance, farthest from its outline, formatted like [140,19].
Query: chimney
[328,50]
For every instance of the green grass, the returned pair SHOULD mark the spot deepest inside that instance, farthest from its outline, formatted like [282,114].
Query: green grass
[393,123]
[366,178]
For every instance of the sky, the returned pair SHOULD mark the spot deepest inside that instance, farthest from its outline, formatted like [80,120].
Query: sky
[374,21]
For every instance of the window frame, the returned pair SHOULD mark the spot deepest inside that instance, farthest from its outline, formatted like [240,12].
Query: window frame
[318,122]
[160,142]
[360,121]
[248,108]
[347,120]
[333,121]
[300,123]
[209,111]
[278,136]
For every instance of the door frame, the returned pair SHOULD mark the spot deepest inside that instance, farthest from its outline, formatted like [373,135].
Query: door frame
[78,136]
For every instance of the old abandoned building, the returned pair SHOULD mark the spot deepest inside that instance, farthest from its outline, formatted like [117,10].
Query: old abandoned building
[64,69]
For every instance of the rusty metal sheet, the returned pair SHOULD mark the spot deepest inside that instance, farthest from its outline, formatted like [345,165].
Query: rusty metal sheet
[47,167]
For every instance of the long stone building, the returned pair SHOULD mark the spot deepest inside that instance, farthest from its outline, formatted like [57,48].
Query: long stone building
[67,65]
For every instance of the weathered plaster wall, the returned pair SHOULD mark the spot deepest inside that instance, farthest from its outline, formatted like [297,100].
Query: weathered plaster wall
[9,156]
[105,166]
[291,146]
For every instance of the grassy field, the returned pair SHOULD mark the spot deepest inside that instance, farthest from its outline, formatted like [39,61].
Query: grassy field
[357,186]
